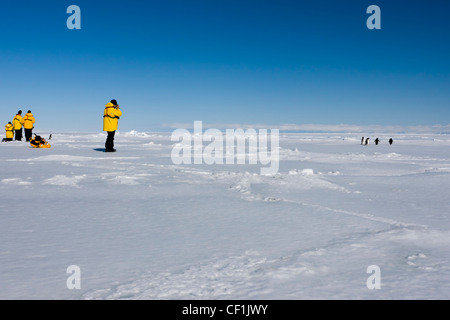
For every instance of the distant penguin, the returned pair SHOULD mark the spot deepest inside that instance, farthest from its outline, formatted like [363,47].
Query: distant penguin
[362,140]
[377,141]
[50,137]
[367,141]
[391,141]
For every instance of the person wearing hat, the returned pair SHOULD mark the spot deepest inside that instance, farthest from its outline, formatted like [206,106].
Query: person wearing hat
[28,125]
[111,116]
[9,132]
[17,125]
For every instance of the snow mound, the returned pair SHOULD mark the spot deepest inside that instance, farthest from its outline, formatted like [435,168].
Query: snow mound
[305,172]
[134,133]
[62,180]
[15,182]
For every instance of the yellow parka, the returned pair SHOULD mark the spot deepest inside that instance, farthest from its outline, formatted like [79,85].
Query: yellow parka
[9,131]
[17,122]
[111,117]
[38,142]
[28,121]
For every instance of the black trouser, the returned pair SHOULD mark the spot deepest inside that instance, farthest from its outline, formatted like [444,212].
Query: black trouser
[8,139]
[109,144]
[28,134]
[18,134]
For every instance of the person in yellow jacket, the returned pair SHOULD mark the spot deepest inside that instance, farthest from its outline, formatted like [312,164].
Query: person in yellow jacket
[17,125]
[39,142]
[28,124]
[111,116]
[9,132]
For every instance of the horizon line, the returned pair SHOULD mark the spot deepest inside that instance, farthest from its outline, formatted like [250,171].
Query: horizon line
[286,128]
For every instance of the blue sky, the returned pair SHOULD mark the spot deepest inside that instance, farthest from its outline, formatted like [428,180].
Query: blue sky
[241,62]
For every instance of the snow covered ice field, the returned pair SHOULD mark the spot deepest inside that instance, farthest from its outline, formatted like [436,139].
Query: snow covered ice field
[140,227]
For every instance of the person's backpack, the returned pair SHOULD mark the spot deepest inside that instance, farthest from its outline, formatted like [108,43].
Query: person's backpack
[35,141]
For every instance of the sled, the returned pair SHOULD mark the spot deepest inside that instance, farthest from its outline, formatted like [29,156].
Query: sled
[41,146]
[39,143]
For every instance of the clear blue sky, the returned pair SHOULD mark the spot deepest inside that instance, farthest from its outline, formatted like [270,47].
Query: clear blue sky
[225,61]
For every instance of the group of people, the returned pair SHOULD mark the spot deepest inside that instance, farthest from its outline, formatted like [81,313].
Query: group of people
[111,116]
[14,129]
[365,141]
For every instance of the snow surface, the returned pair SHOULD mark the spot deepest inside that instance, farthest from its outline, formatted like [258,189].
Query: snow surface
[140,227]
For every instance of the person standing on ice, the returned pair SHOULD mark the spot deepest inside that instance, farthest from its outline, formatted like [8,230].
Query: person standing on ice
[9,132]
[28,125]
[111,117]
[17,124]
